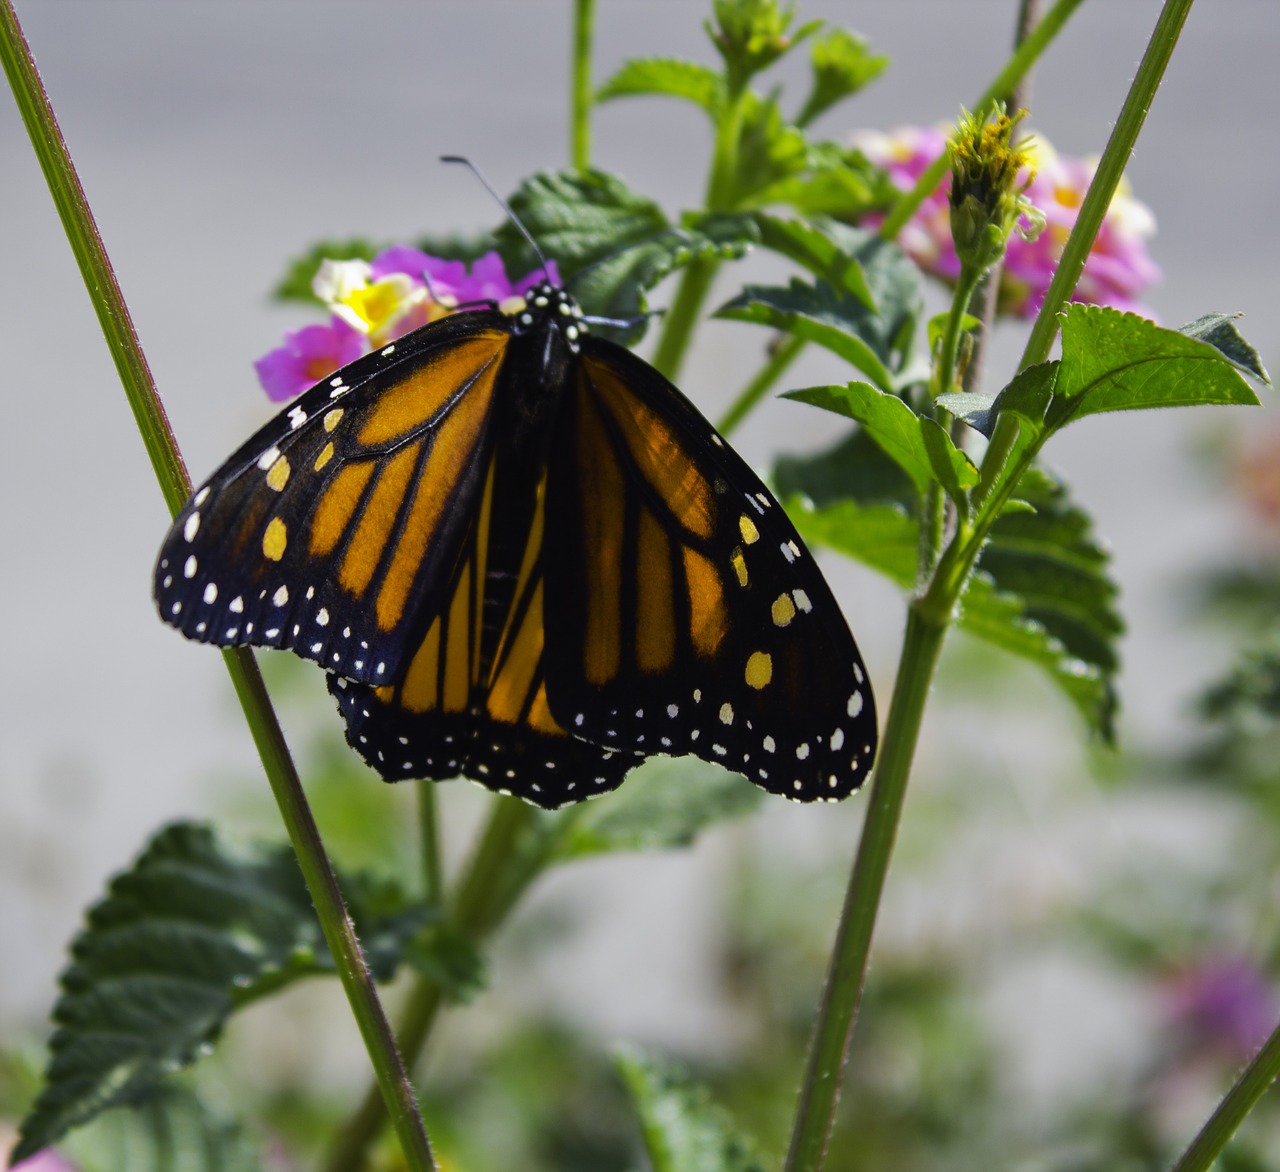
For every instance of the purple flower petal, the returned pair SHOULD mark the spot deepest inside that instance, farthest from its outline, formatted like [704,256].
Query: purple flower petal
[306,357]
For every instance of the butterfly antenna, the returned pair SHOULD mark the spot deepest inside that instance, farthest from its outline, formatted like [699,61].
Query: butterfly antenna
[502,203]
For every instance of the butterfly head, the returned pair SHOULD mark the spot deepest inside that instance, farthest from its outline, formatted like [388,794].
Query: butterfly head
[546,306]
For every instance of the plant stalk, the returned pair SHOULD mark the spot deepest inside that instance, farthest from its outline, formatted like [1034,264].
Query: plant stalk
[580,97]
[783,351]
[117,326]
[1115,157]
[847,974]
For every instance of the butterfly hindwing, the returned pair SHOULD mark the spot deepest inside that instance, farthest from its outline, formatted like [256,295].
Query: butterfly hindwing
[330,531]
[687,616]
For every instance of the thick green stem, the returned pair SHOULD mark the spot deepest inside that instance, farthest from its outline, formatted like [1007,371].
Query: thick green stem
[847,973]
[117,326]
[686,307]
[584,19]
[1253,1082]
[948,353]
[1115,157]
[510,855]
[1023,58]
[782,353]
[429,843]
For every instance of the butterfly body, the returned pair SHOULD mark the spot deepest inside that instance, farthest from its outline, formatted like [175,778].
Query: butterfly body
[524,557]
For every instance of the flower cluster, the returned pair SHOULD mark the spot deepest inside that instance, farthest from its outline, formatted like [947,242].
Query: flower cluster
[373,302]
[1118,270]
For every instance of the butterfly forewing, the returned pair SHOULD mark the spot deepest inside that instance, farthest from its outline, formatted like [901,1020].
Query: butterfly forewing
[336,527]
[684,613]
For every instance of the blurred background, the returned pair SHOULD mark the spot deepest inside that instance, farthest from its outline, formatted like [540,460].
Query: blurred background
[1051,911]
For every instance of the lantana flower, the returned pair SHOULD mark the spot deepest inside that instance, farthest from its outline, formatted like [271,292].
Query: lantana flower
[1119,268]
[374,302]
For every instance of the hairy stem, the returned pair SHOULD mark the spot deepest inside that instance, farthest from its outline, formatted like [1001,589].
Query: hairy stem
[117,326]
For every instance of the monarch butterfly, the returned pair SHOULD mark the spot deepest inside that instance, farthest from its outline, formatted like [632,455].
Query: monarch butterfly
[524,557]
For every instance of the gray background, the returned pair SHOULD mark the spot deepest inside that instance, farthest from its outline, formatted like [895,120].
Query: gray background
[217,139]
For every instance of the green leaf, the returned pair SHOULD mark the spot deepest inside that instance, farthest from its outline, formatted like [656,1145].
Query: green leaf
[450,960]
[665,804]
[593,221]
[973,407]
[884,537]
[664,76]
[1042,590]
[295,285]
[879,341]
[185,937]
[1114,361]
[922,448]
[173,1131]
[855,468]
[752,34]
[683,1130]
[842,64]
[1219,330]
[827,248]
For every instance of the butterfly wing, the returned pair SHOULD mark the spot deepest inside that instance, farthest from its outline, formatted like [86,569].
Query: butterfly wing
[339,524]
[473,700]
[683,613]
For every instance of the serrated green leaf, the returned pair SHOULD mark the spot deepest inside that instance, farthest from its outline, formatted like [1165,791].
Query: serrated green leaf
[187,935]
[683,1130]
[842,64]
[1114,361]
[295,285]
[1043,591]
[973,407]
[665,804]
[833,180]
[173,1131]
[611,243]
[827,248]
[666,77]
[1219,330]
[924,450]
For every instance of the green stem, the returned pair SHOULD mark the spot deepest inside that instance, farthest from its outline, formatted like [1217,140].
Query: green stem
[782,353]
[1022,59]
[1230,1113]
[948,353]
[429,843]
[584,19]
[510,855]
[1115,157]
[847,974]
[117,326]
[686,307]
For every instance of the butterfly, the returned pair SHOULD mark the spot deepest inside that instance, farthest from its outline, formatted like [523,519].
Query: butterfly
[524,557]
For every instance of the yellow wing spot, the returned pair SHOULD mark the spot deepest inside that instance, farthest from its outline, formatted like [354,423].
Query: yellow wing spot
[759,669]
[326,454]
[750,534]
[275,539]
[783,610]
[333,418]
[278,474]
[739,566]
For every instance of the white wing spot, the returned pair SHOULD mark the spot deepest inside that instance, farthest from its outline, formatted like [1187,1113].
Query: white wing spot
[269,457]
[802,750]
[190,568]
[770,745]
[236,605]
[322,617]
[697,695]
[802,600]
[176,608]
[726,713]
[786,551]
[211,593]
[192,526]
[673,710]
[201,496]
[719,750]
[316,648]
[837,740]
[386,351]
[281,596]
[855,704]
[232,632]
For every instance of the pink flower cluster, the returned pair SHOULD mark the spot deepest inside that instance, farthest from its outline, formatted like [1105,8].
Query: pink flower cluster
[1118,270]
[374,302]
